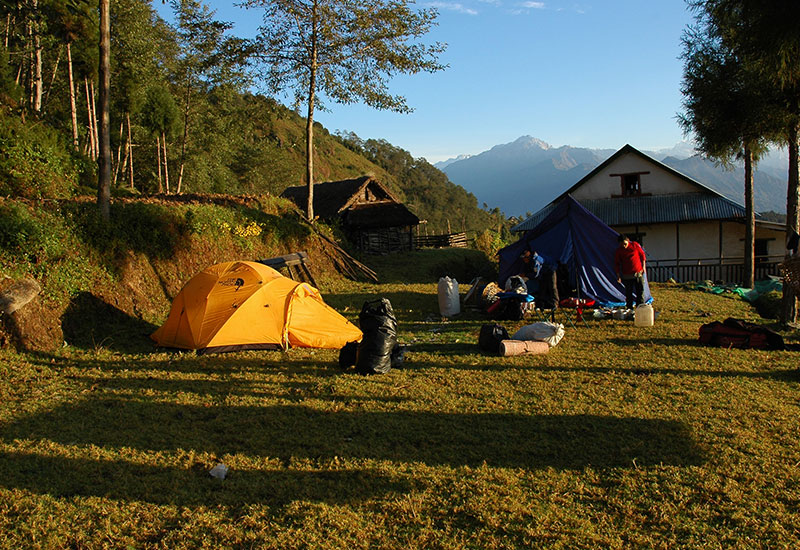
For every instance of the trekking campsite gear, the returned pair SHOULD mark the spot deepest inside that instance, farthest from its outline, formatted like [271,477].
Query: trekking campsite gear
[490,337]
[348,355]
[510,348]
[515,283]
[510,306]
[579,240]
[643,315]
[449,303]
[735,333]
[379,326]
[246,305]
[548,332]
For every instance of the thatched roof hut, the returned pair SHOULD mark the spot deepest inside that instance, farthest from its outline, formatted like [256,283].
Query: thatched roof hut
[369,212]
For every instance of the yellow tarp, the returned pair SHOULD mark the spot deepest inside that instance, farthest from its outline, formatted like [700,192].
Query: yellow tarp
[249,305]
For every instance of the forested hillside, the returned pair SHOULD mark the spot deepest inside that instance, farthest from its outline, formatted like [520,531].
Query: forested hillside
[184,115]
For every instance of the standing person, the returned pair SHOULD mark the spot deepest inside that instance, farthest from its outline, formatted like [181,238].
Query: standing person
[629,263]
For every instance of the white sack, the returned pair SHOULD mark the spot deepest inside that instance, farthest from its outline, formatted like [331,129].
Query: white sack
[449,303]
[552,333]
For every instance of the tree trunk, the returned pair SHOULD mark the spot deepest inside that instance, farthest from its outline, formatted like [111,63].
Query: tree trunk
[158,162]
[8,28]
[91,142]
[185,136]
[53,78]
[119,153]
[750,222]
[37,84]
[310,156]
[166,167]
[312,88]
[72,107]
[124,166]
[94,120]
[130,147]
[29,72]
[789,309]
[19,71]
[104,165]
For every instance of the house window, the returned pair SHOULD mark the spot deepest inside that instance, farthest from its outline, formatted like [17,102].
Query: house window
[631,185]
[761,250]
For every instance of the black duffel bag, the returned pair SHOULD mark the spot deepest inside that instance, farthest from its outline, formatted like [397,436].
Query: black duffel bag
[379,325]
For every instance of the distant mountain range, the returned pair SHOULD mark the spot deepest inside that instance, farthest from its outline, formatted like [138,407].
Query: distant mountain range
[526,174]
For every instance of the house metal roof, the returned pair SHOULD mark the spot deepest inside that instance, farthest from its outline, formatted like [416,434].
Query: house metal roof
[650,210]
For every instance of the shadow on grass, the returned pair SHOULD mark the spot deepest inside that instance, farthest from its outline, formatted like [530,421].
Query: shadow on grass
[792,375]
[294,391]
[415,305]
[633,342]
[91,323]
[189,362]
[286,432]
[191,486]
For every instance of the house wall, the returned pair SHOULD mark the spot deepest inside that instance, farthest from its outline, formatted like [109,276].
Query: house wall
[700,240]
[384,240]
[657,182]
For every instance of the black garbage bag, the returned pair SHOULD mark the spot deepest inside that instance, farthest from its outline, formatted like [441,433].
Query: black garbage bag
[348,355]
[379,325]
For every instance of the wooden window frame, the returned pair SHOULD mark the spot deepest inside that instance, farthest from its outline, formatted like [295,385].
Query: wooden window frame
[623,190]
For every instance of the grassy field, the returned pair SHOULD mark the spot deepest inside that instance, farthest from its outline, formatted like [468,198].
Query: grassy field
[620,437]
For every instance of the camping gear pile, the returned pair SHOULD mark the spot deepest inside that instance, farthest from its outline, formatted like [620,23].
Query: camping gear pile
[577,244]
[533,339]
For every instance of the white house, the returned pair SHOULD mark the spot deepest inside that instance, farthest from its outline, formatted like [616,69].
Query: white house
[689,232]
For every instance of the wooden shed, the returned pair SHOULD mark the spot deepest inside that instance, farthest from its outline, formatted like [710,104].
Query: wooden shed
[371,216]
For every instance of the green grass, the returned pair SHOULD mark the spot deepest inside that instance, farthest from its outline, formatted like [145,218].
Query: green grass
[620,437]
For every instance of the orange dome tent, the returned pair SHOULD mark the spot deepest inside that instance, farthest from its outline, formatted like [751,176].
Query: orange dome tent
[247,305]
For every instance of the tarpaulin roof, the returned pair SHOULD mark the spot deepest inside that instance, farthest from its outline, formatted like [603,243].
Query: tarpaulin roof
[575,237]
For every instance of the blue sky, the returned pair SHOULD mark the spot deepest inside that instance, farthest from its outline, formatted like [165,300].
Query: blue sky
[594,73]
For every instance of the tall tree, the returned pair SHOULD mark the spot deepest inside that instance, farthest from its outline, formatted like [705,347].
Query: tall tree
[37,83]
[139,43]
[204,56]
[70,21]
[766,36]
[728,110]
[345,49]
[160,117]
[104,133]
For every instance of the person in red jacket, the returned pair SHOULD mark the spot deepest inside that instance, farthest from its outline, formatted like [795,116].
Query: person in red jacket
[629,263]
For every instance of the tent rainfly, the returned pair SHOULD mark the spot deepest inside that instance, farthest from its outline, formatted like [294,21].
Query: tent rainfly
[246,305]
[572,235]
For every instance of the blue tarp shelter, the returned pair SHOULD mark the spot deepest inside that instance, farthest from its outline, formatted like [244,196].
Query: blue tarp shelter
[575,237]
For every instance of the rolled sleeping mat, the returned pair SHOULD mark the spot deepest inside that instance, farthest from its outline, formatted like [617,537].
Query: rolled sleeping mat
[509,348]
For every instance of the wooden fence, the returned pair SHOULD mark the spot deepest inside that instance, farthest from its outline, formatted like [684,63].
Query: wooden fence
[451,240]
[729,270]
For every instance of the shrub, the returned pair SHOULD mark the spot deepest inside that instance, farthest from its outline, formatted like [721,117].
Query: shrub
[769,305]
[27,235]
[34,162]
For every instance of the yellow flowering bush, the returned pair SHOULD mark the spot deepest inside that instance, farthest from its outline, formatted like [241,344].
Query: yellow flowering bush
[252,229]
